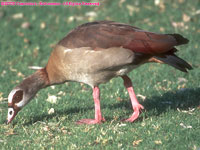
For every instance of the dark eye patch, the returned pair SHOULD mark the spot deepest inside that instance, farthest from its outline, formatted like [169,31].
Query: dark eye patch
[17,97]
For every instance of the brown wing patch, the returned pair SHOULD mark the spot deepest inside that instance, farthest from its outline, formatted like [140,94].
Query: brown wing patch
[17,97]
[106,34]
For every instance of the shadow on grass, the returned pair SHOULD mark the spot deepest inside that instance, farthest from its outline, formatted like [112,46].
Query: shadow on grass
[156,105]
[183,99]
[73,110]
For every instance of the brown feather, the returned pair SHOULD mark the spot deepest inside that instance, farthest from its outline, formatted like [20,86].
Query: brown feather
[106,34]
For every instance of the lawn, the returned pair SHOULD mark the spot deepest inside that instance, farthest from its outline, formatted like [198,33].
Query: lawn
[171,118]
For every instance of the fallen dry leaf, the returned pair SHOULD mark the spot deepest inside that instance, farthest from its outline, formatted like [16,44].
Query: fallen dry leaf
[160,4]
[177,24]
[190,111]
[61,93]
[119,99]
[42,25]
[25,25]
[180,25]
[18,16]
[141,96]
[51,111]
[184,126]
[52,99]
[46,128]
[79,18]
[186,18]
[132,9]
[12,69]
[70,19]
[1,141]
[35,67]
[10,132]
[53,87]
[162,7]
[26,40]
[181,1]
[91,14]
[162,29]
[122,125]
[19,74]
[137,142]
[121,2]
[25,46]
[181,80]
[156,2]
[197,12]
[3,73]
[1,96]
[64,131]
[158,142]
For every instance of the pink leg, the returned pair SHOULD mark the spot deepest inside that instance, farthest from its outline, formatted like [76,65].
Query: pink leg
[135,104]
[98,117]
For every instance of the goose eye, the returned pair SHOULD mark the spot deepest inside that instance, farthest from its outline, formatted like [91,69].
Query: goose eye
[10,112]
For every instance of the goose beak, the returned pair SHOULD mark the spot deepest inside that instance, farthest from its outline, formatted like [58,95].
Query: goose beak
[11,114]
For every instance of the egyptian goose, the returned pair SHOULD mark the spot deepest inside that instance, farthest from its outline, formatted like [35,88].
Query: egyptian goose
[94,53]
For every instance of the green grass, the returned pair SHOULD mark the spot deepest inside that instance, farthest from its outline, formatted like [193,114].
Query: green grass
[171,119]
